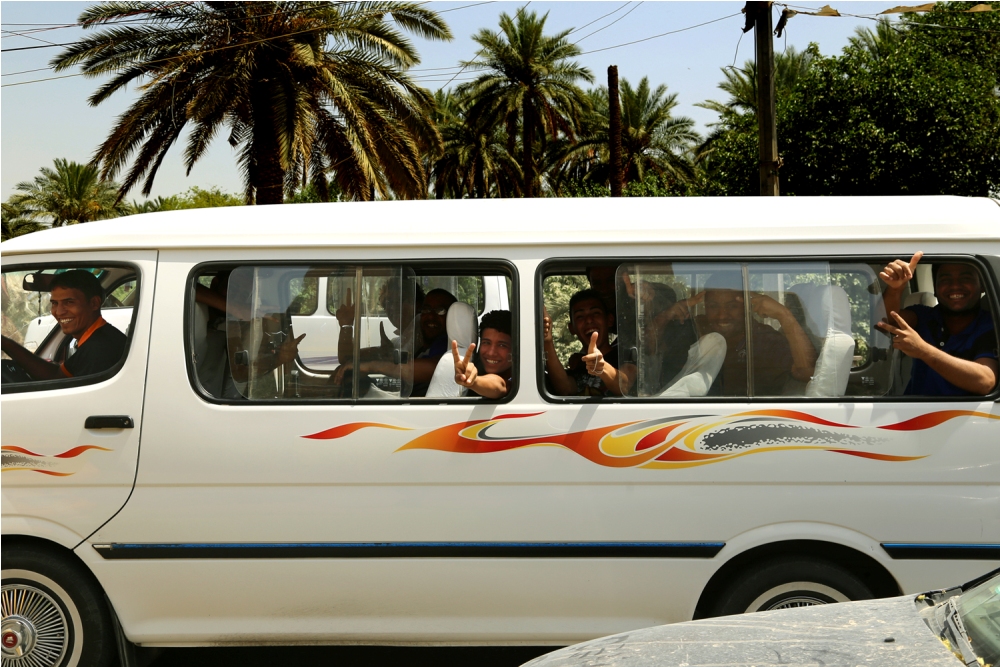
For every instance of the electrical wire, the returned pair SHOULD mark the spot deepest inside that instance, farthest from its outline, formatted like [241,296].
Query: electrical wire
[610,24]
[662,34]
[623,6]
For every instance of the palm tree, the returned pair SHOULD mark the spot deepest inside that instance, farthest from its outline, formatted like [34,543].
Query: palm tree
[741,84]
[528,78]
[877,44]
[14,221]
[311,87]
[70,194]
[475,161]
[653,140]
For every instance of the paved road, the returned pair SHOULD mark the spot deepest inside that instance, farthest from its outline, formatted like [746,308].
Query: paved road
[348,656]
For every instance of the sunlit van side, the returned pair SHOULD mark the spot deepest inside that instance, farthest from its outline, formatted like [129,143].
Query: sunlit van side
[281,453]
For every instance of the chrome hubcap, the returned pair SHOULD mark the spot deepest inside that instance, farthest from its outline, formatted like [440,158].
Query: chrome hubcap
[34,631]
[797,601]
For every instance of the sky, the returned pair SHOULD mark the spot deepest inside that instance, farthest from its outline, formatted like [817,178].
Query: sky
[45,120]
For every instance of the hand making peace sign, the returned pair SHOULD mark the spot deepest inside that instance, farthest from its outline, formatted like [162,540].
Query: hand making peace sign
[465,371]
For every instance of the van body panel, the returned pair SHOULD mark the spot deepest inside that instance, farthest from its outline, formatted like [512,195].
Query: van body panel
[285,491]
[56,470]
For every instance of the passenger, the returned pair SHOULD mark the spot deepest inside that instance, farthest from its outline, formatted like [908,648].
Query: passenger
[593,371]
[953,345]
[401,313]
[777,356]
[602,281]
[490,372]
[433,314]
[75,299]
[383,359]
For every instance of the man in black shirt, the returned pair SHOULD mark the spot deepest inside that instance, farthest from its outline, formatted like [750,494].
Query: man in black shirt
[75,299]
[593,371]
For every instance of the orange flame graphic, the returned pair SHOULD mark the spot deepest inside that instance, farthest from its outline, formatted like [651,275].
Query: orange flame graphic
[19,458]
[680,442]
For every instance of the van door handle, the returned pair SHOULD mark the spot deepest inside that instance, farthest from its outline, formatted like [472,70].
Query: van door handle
[109,421]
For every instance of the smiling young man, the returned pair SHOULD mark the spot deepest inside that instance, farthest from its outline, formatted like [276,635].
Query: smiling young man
[953,344]
[593,371]
[489,373]
[75,299]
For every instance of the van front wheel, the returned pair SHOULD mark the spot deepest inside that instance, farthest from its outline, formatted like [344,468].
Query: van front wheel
[53,613]
[788,583]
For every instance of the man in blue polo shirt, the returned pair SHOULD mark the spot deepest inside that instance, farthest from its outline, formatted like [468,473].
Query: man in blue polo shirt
[953,344]
[75,299]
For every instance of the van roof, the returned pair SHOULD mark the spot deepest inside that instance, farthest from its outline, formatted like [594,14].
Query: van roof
[523,222]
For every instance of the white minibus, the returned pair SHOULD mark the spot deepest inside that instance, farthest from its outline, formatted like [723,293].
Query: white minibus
[678,408]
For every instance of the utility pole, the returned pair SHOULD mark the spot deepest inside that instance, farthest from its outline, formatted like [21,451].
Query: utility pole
[615,132]
[767,131]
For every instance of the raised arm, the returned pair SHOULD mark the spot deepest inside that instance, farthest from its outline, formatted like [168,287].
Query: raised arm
[895,275]
[803,352]
[467,375]
[610,376]
[977,377]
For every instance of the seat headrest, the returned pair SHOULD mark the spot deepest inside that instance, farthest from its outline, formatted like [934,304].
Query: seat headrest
[826,306]
[919,299]
[462,325]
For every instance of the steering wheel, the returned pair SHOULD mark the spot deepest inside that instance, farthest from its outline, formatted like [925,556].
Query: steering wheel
[13,372]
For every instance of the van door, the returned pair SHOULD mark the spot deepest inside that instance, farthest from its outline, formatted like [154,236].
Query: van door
[70,445]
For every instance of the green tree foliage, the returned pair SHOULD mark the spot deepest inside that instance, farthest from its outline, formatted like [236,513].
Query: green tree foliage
[529,81]
[195,197]
[556,293]
[476,161]
[69,194]
[14,221]
[910,109]
[654,142]
[311,88]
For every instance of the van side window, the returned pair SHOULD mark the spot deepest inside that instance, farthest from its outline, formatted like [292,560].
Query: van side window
[258,333]
[66,323]
[797,329]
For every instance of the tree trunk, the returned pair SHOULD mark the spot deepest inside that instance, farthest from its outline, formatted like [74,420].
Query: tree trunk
[267,176]
[528,140]
[615,132]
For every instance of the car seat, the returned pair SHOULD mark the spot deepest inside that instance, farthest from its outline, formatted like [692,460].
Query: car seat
[462,326]
[828,324]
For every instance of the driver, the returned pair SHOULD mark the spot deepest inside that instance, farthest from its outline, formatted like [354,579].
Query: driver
[75,299]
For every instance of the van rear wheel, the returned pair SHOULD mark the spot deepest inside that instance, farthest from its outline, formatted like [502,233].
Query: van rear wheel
[53,613]
[788,583]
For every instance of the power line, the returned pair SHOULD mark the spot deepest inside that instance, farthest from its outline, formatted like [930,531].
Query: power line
[662,34]
[198,54]
[615,11]
[455,9]
[610,24]
[40,46]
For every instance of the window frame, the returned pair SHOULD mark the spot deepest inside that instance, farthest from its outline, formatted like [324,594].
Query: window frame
[550,267]
[66,383]
[501,266]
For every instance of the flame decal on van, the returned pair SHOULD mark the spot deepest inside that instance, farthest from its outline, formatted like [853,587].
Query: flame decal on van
[58,465]
[693,440]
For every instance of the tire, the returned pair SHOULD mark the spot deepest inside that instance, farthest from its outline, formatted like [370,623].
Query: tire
[53,612]
[787,583]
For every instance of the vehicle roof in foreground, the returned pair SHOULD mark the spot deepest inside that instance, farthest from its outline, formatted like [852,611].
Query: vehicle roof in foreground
[874,633]
[514,222]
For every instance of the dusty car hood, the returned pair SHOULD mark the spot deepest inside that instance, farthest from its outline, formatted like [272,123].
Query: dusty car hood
[847,634]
